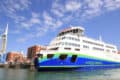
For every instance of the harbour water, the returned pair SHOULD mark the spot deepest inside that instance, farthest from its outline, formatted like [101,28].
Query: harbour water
[25,74]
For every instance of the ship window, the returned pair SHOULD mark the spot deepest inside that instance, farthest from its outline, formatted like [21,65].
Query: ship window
[70,38]
[63,56]
[54,48]
[93,43]
[67,48]
[85,46]
[77,49]
[63,38]
[108,50]
[110,47]
[49,56]
[114,51]
[99,49]
[73,58]
[40,55]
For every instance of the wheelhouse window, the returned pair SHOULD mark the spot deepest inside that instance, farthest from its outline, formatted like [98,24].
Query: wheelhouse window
[49,56]
[73,58]
[75,31]
[63,56]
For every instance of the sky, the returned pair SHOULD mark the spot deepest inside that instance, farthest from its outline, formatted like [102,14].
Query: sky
[37,22]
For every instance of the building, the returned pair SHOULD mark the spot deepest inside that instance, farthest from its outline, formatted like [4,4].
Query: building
[15,57]
[33,50]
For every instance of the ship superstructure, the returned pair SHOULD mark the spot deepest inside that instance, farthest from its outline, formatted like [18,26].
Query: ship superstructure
[73,39]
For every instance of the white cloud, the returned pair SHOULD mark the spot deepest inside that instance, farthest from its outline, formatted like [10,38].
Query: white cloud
[60,12]
[16,5]
[94,4]
[25,38]
[91,8]
[26,25]
[1,30]
[57,9]
[72,5]
[41,31]
[47,18]
[112,4]
[34,19]
[21,40]
[59,23]
[16,18]
[35,15]
[51,22]
[77,9]
[11,8]
[33,35]
[85,9]
[17,31]
[57,12]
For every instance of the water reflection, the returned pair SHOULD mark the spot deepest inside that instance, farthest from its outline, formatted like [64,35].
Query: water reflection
[24,74]
[105,74]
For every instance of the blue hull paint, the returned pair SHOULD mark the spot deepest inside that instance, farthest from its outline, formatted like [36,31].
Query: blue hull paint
[57,64]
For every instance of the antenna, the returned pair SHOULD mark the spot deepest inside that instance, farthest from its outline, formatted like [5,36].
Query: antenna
[100,38]
[6,30]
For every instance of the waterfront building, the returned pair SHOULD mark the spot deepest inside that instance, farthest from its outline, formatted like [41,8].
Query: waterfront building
[33,50]
[15,57]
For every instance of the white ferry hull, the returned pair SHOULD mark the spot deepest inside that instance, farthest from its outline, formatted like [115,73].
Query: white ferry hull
[81,61]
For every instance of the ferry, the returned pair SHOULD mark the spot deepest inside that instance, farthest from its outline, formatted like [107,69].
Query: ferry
[71,49]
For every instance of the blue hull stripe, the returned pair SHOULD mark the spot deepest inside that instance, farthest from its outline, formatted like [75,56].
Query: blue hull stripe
[80,62]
